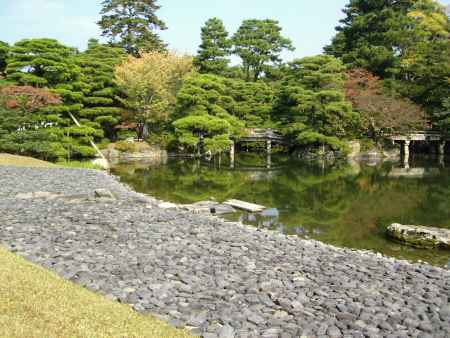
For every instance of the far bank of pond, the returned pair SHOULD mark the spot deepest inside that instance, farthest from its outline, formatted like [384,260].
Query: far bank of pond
[344,205]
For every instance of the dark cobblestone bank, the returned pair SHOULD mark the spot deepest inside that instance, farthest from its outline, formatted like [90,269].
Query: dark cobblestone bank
[221,279]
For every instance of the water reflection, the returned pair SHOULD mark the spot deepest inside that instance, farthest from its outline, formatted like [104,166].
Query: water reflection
[349,204]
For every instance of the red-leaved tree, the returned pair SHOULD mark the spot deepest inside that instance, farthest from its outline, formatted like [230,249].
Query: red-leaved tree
[27,98]
[381,112]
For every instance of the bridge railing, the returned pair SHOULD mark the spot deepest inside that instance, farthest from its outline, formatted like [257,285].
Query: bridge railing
[262,133]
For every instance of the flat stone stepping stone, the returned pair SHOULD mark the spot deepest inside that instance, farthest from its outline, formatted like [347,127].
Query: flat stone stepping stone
[246,206]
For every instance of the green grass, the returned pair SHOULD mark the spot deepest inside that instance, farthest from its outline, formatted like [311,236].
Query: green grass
[22,161]
[79,164]
[36,303]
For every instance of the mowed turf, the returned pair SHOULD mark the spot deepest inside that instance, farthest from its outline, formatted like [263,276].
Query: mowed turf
[22,161]
[36,303]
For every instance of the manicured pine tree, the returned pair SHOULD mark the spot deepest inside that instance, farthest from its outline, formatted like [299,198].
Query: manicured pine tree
[312,108]
[132,25]
[259,43]
[214,49]
[47,63]
[26,128]
[100,104]
[205,116]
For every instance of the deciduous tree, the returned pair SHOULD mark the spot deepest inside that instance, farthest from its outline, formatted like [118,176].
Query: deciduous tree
[381,112]
[404,41]
[150,84]
[26,127]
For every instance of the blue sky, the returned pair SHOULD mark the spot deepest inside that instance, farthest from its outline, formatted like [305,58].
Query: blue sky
[308,23]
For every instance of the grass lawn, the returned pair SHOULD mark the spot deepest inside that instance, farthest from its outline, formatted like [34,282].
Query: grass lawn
[22,161]
[36,303]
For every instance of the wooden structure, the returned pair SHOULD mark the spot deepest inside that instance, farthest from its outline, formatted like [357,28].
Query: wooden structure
[269,136]
[406,140]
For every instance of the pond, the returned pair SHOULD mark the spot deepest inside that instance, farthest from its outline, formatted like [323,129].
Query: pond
[347,205]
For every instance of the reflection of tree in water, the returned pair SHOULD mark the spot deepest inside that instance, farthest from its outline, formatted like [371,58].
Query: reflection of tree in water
[331,204]
[186,181]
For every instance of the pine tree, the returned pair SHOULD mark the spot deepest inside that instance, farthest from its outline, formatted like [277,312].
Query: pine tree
[259,43]
[405,42]
[214,49]
[312,107]
[100,104]
[47,63]
[131,24]
[41,63]
[205,114]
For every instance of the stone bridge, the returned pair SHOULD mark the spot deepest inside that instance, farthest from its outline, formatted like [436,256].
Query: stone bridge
[406,140]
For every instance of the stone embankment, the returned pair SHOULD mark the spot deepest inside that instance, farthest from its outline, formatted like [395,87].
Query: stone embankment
[220,279]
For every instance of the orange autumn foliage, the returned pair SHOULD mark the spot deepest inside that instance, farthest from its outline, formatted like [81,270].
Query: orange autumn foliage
[381,112]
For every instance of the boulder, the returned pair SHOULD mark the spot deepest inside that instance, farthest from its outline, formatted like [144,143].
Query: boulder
[37,194]
[207,207]
[103,193]
[167,205]
[420,236]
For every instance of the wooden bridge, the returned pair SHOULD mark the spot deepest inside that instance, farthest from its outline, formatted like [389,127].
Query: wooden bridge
[268,136]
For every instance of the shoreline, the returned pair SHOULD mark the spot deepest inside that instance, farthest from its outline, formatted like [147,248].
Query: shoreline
[218,278]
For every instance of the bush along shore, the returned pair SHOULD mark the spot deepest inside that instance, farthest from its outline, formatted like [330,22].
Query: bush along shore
[217,278]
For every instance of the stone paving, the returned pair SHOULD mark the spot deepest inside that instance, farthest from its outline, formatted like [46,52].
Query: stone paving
[218,278]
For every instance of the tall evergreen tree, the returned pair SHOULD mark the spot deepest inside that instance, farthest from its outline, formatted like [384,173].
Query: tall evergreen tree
[214,49]
[369,34]
[100,104]
[406,42]
[131,24]
[205,114]
[41,63]
[47,63]
[312,108]
[259,43]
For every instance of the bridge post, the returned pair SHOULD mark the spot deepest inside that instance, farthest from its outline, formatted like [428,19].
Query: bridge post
[406,150]
[232,154]
[441,147]
[269,146]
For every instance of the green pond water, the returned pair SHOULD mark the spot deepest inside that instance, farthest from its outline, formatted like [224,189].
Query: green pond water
[348,205]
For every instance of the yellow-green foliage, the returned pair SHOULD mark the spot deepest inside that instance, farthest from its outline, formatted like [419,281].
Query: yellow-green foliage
[36,303]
